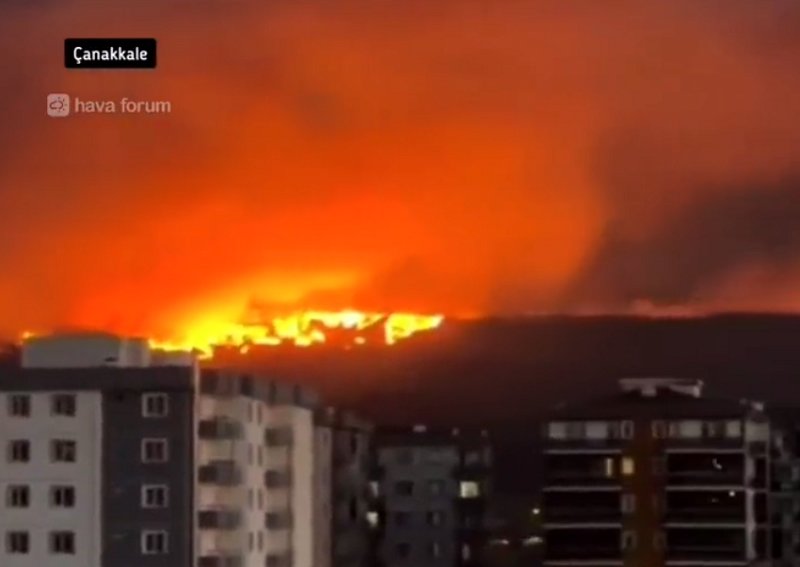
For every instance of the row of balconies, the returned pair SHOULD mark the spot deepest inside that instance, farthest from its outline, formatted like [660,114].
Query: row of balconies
[272,560]
[698,515]
[227,429]
[229,473]
[229,519]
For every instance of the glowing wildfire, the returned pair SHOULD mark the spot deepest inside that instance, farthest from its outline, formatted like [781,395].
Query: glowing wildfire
[303,329]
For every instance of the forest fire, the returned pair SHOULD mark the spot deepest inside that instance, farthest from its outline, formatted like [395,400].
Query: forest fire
[307,328]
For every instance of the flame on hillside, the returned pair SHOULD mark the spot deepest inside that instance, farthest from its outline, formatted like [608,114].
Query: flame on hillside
[304,329]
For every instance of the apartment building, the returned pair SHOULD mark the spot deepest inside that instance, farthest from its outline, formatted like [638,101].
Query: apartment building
[117,455]
[349,492]
[433,487]
[657,474]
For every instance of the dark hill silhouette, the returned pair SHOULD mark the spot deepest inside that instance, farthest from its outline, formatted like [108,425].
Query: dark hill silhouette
[498,371]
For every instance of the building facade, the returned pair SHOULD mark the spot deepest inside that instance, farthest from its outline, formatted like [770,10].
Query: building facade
[657,475]
[117,456]
[349,487]
[433,487]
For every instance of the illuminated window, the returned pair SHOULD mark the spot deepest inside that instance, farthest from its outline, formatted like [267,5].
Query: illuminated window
[469,489]
[628,540]
[659,429]
[627,466]
[372,519]
[609,467]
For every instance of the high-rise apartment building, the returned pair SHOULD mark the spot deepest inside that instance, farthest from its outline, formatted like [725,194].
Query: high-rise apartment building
[115,455]
[433,487]
[658,475]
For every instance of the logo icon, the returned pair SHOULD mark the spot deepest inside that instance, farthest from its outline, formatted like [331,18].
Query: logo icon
[58,105]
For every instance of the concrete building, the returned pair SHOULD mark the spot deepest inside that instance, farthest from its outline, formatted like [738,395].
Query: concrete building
[657,474]
[117,456]
[349,487]
[433,487]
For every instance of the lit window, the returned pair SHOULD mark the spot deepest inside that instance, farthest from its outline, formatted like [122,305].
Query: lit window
[609,467]
[155,405]
[733,429]
[469,489]
[628,467]
[372,519]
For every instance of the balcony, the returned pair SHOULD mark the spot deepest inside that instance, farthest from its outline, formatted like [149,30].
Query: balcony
[278,437]
[220,429]
[710,443]
[701,553]
[706,478]
[221,519]
[582,544]
[221,561]
[277,479]
[220,473]
[705,516]
[582,515]
[610,444]
[566,478]
[278,520]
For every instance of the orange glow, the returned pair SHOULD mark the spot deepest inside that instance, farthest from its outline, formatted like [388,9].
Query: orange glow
[305,329]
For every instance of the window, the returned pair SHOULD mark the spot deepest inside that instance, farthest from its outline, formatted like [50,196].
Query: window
[251,541]
[62,496]
[19,405]
[659,466]
[155,496]
[404,488]
[63,404]
[401,518]
[627,430]
[251,499]
[576,430]
[63,451]
[733,429]
[62,543]
[434,518]
[18,543]
[659,540]
[628,467]
[469,489]
[628,503]
[374,488]
[19,451]
[436,487]
[155,405]
[659,429]
[402,550]
[628,540]
[435,549]
[154,451]
[18,496]
[714,429]
[608,467]
[155,542]
[261,541]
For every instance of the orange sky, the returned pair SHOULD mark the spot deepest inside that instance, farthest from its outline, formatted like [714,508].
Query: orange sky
[459,157]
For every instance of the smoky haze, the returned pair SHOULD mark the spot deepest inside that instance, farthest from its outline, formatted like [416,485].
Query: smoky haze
[462,157]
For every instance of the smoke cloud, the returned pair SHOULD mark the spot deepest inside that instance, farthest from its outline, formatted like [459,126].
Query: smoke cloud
[459,157]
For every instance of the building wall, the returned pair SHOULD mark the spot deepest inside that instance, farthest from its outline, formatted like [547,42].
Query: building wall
[125,474]
[426,465]
[303,487]
[39,474]
[230,498]
[323,492]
